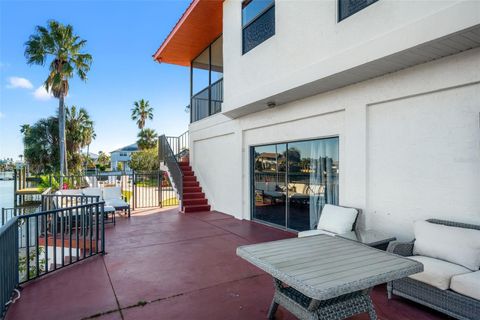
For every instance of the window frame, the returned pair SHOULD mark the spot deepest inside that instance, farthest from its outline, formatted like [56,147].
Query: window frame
[251,171]
[339,10]
[245,3]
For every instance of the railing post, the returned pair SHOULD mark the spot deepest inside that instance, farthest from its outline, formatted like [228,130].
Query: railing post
[102,210]
[15,187]
[134,200]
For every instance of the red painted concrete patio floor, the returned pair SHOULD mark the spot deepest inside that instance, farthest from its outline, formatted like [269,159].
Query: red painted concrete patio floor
[161,264]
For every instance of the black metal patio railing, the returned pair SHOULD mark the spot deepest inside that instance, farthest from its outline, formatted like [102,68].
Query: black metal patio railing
[35,244]
[50,240]
[139,189]
[9,213]
[9,277]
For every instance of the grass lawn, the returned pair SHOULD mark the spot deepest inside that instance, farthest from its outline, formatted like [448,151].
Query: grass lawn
[170,202]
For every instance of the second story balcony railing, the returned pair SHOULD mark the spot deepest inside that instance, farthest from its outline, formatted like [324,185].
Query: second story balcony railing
[207,102]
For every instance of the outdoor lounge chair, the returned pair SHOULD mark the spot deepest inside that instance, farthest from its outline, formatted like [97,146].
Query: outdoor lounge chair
[97,192]
[333,220]
[113,197]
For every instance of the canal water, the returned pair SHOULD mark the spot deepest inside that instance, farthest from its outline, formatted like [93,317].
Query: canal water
[6,194]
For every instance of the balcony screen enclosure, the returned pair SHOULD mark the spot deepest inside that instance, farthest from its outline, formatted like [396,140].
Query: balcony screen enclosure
[206,86]
[293,181]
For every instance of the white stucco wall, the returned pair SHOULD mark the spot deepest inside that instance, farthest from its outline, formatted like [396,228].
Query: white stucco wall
[310,44]
[409,145]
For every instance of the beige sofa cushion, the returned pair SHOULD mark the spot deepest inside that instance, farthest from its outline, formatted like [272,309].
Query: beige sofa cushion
[453,244]
[467,284]
[437,273]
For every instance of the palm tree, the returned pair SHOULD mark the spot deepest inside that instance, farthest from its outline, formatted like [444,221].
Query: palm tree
[80,133]
[147,139]
[141,112]
[58,43]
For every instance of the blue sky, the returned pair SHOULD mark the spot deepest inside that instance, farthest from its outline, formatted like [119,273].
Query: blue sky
[122,36]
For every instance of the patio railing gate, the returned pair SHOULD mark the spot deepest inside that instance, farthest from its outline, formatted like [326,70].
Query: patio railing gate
[139,189]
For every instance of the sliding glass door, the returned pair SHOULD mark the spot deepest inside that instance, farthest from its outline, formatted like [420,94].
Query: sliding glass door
[269,183]
[293,181]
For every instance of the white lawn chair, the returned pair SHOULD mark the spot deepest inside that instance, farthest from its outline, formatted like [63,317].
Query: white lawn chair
[333,220]
[113,197]
[97,192]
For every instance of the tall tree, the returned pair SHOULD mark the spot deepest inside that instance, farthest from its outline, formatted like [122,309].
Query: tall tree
[147,139]
[41,145]
[57,42]
[141,112]
[79,132]
[41,141]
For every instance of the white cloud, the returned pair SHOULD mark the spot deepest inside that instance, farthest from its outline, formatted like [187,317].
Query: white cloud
[42,94]
[18,82]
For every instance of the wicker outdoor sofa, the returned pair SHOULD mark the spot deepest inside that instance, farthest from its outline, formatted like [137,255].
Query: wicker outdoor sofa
[448,301]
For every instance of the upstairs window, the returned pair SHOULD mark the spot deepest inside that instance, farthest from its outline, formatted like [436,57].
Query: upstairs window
[258,22]
[348,7]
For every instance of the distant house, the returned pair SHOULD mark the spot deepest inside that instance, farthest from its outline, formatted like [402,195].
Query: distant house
[92,156]
[123,156]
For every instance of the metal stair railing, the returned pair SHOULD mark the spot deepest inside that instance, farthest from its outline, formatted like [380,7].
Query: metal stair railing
[169,158]
[179,145]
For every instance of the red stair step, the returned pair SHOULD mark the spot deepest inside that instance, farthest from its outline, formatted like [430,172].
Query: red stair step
[192,189]
[188,173]
[194,202]
[189,179]
[193,195]
[188,184]
[196,208]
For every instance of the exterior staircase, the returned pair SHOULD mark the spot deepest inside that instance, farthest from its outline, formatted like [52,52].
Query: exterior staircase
[193,198]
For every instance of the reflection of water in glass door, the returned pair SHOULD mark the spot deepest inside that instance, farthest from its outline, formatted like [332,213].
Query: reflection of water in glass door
[269,170]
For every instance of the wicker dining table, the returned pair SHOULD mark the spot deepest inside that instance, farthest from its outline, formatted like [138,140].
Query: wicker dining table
[325,277]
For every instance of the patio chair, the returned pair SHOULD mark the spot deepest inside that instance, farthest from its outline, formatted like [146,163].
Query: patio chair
[334,220]
[113,197]
[107,208]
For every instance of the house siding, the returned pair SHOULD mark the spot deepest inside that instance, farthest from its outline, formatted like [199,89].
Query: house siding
[409,144]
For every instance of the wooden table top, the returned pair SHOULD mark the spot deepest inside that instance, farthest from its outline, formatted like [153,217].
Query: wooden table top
[324,267]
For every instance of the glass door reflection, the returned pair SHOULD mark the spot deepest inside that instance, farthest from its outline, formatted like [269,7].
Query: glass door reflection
[269,183]
[293,181]
[312,181]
